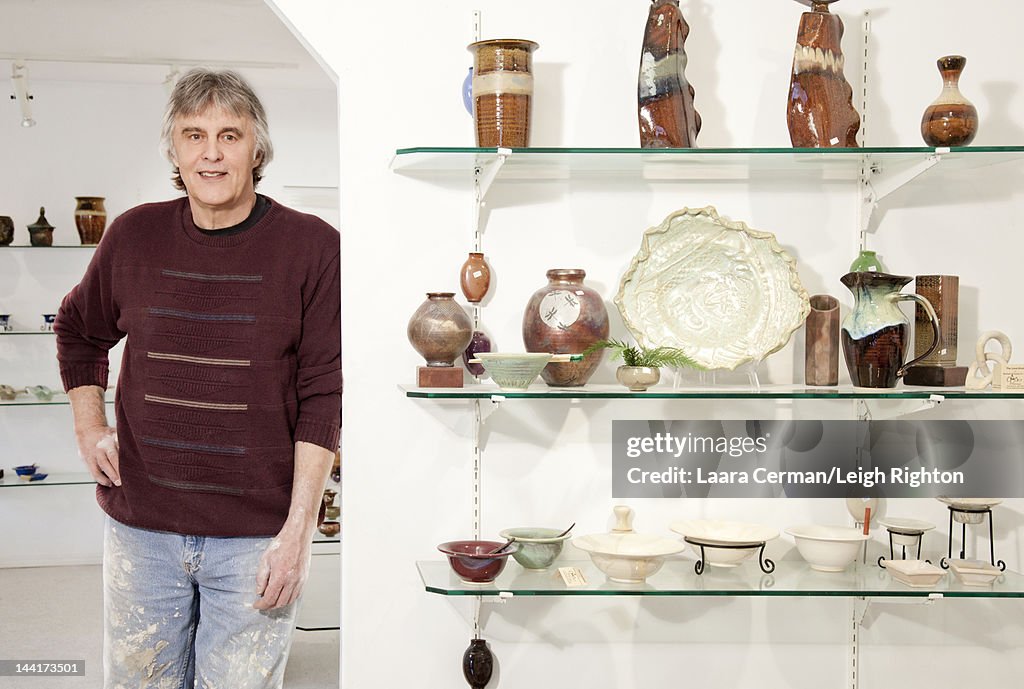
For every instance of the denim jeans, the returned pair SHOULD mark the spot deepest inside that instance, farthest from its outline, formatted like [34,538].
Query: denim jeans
[178,613]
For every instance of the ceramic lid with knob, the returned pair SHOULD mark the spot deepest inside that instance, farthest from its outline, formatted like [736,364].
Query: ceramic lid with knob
[624,541]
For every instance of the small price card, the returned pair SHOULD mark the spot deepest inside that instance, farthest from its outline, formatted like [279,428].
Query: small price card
[572,576]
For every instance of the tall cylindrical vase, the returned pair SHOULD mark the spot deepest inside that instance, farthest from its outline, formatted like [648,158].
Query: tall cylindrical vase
[951,120]
[937,368]
[502,92]
[565,317]
[821,345]
[665,108]
[90,218]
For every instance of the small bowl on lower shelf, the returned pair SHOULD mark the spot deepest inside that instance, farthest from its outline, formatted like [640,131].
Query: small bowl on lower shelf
[538,547]
[26,470]
[974,572]
[828,548]
[330,528]
[512,372]
[474,561]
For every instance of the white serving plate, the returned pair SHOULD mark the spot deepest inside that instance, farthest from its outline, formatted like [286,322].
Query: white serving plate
[916,573]
[974,572]
[725,533]
[720,291]
[905,531]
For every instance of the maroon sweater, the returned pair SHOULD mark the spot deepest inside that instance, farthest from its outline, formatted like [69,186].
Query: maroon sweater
[233,355]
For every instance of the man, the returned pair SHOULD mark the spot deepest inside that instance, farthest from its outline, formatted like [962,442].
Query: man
[227,406]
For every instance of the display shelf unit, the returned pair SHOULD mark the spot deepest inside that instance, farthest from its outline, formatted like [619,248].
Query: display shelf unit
[71,478]
[59,399]
[53,246]
[12,333]
[791,578]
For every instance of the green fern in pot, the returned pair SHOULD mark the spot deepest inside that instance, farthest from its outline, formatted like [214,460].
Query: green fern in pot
[641,366]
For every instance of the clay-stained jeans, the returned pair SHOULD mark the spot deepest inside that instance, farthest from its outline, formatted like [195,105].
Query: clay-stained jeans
[178,613]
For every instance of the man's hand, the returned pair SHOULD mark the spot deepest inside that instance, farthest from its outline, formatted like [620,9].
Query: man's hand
[283,569]
[97,446]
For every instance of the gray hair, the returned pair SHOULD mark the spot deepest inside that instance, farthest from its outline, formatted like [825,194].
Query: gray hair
[200,88]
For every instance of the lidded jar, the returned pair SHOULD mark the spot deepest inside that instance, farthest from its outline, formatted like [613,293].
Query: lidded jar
[951,120]
[440,329]
[565,317]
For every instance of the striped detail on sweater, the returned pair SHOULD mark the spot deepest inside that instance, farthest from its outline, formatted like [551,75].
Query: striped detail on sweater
[205,360]
[194,447]
[200,316]
[208,277]
[194,404]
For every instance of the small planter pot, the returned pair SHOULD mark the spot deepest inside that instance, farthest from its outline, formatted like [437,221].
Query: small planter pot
[638,378]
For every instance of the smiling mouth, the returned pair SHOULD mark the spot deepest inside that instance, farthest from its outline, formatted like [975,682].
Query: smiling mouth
[212,175]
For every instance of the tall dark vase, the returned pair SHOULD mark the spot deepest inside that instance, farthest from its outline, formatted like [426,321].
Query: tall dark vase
[820,112]
[665,98]
[565,317]
[477,664]
[951,120]
[90,218]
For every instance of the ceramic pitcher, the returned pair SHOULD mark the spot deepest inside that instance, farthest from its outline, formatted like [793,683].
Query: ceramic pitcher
[876,333]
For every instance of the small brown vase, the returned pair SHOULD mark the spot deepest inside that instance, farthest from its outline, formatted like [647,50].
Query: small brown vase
[90,218]
[820,112]
[6,230]
[475,279]
[502,92]
[821,344]
[565,317]
[40,233]
[440,329]
[951,120]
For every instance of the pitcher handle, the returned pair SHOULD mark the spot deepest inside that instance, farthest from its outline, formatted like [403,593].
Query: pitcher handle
[935,328]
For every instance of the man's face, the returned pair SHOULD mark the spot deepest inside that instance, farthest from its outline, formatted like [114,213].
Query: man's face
[215,154]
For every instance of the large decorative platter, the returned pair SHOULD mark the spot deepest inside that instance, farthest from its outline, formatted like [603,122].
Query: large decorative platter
[720,291]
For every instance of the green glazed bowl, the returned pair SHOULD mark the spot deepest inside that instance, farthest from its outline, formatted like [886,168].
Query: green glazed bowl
[538,547]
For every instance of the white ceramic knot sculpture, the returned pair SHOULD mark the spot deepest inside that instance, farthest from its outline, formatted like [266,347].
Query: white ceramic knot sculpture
[979,374]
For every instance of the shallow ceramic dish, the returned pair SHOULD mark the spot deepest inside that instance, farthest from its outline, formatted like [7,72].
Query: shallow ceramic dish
[474,562]
[906,531]
[628,558]
[916,573]
[734,534]
[828,548]
[720,291]
[974,508]
[34,477]
[538,547]
[974,572]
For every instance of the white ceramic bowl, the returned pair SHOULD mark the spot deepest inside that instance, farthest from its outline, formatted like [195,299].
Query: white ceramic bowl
[828,548]
[965,504]
[906,531]
[734,534]
[513,372]
[628,558]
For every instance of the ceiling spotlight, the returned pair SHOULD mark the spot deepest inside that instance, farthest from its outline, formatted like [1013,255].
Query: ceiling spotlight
[19,78]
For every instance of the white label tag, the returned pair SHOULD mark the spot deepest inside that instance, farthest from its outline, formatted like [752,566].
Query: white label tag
[834,140]
[1012,378]
[572,576]
[477,273]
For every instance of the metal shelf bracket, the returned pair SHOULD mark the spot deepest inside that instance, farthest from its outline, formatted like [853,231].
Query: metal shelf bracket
[882,411]
[484,175]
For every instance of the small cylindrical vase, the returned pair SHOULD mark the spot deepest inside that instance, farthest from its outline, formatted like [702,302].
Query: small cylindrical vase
[90,218]
[942,292]
[821,344]
[440,329]
[951,120]
[475,278]
[502,92]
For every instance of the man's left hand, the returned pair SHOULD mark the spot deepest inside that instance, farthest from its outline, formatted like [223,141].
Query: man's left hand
[283,569]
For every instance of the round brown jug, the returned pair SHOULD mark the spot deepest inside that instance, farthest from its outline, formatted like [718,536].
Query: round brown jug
[440,329]
[475,278]
[90,218]
[565,317]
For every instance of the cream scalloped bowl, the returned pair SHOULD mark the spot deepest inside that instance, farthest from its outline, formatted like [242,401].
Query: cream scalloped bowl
[828,548]
[734,534]
[628,558]
[513,372]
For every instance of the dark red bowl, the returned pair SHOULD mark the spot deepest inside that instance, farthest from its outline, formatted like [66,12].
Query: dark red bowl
[471,562]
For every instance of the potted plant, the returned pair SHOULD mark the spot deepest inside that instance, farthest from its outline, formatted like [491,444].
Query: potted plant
[641,366]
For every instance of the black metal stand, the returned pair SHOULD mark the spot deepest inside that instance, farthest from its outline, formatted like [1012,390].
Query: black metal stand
[963,537]
[767,566]
[892,553]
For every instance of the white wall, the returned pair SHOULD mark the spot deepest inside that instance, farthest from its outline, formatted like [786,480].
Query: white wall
[407,463]
[100,138]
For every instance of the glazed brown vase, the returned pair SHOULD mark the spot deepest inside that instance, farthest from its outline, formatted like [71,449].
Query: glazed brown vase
[664,96]
[502,92]
[565,317]
[875,331]
[475,278]
[821,346]
[440,329]
[951,120]
[820,112]
[90,218]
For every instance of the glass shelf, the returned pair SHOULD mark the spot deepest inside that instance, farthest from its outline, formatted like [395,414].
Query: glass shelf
[59,398]
[8,333]
[54,246]
[12,480]
[677,578]
[692,163]
[784,392]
